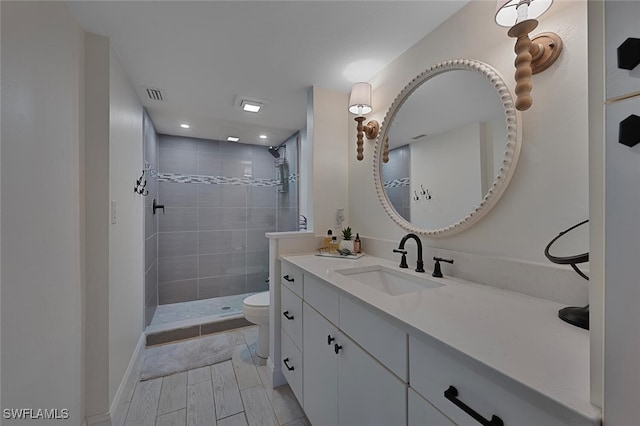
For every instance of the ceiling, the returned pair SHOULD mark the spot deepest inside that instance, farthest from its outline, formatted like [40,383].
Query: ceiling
[205,55]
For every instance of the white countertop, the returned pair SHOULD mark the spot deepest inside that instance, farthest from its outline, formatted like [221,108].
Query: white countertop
[518,335]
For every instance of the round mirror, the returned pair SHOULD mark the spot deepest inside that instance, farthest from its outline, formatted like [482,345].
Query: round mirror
[453,141]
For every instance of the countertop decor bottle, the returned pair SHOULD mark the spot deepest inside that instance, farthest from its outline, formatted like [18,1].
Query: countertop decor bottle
[326,243]
[333,245]
[357,247]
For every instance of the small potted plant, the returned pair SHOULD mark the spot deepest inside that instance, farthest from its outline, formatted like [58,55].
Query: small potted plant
[346,242]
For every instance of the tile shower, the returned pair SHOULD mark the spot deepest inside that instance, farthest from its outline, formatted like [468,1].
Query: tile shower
[397,180]
[219,198]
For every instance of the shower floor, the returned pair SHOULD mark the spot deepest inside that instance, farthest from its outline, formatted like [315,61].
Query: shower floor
[194,313]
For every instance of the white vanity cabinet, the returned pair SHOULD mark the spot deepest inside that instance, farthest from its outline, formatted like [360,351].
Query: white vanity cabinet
[478,391]
[343,384]
[321,369]
[422,412]
[369,359]
[291,360]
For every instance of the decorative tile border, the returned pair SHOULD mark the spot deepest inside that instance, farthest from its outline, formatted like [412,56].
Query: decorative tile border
[214,180]
[397,182]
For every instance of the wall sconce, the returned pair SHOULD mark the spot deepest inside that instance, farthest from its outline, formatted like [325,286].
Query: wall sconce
[360,104]
[533,56]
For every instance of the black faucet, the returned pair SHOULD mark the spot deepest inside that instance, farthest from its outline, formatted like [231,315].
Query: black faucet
[437,272]
[400,249]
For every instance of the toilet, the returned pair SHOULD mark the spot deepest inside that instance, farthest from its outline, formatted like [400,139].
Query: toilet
[256,311]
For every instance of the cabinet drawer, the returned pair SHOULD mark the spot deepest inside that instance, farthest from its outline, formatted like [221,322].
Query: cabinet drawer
[291,307]
[291,365]
[291,277]
[621,22]
[322,297]
[433,368]
[376,335]
[421,412]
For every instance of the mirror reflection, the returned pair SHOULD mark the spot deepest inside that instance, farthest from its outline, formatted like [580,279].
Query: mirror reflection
[447,144]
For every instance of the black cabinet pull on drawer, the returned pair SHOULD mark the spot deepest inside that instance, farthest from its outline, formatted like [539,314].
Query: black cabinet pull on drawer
[330,339]
[286,364]
[336,348]
[287,278]
[452,395]
[287,315]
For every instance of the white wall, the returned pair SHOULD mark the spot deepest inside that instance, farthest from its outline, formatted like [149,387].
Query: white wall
[126,237]
[42,62]
[115,256]
[330,158]
[97,224]
[448,166]
[549,190]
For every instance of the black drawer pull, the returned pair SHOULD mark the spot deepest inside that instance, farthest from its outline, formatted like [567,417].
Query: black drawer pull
[287,278]
[330,339]
[452,393]
[287,316]
[286,364]
[337,348]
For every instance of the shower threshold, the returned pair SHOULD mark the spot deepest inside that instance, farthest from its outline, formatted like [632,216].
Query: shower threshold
[184,320]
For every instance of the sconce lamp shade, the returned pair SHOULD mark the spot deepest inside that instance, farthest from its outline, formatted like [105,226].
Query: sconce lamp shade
[507,10]
[360,99]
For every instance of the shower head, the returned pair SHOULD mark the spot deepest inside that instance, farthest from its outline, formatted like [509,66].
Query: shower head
[274,151]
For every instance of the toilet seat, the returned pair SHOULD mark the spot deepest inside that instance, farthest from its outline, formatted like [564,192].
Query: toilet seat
[256,310]
[257,300]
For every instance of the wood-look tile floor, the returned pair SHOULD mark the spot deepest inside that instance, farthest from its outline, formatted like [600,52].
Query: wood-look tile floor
[231,393]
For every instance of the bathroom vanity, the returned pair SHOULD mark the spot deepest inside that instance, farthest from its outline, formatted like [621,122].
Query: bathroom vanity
[399,347]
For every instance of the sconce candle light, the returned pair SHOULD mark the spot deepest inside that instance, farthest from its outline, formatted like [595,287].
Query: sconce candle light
[360,104]
[533,56]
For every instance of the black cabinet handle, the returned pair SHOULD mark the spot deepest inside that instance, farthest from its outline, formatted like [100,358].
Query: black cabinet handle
[287,316]
[286,364]
[452,393]
[330,339]
[287,278]
[629,131]
[629,54]
[337,348]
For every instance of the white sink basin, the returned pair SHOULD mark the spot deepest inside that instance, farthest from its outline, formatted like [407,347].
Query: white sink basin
[387,280]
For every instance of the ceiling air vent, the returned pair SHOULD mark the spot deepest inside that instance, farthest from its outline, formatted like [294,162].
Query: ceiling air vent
[154,94]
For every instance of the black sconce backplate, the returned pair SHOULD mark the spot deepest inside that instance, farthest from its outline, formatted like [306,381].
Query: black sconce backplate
[629,54]
[629,131]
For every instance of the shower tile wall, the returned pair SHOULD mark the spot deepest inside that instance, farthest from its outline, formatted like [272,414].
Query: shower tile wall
[220,200]
[395,174]
[287,202]
[150,221]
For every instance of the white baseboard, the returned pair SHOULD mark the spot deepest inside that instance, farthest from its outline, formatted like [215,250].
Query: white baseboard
[130,377]
[103,419]
[276,376]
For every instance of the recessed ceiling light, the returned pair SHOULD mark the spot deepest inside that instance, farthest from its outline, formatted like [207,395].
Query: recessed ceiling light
[251,106]
[233,138]
[263,136]
[184,125]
